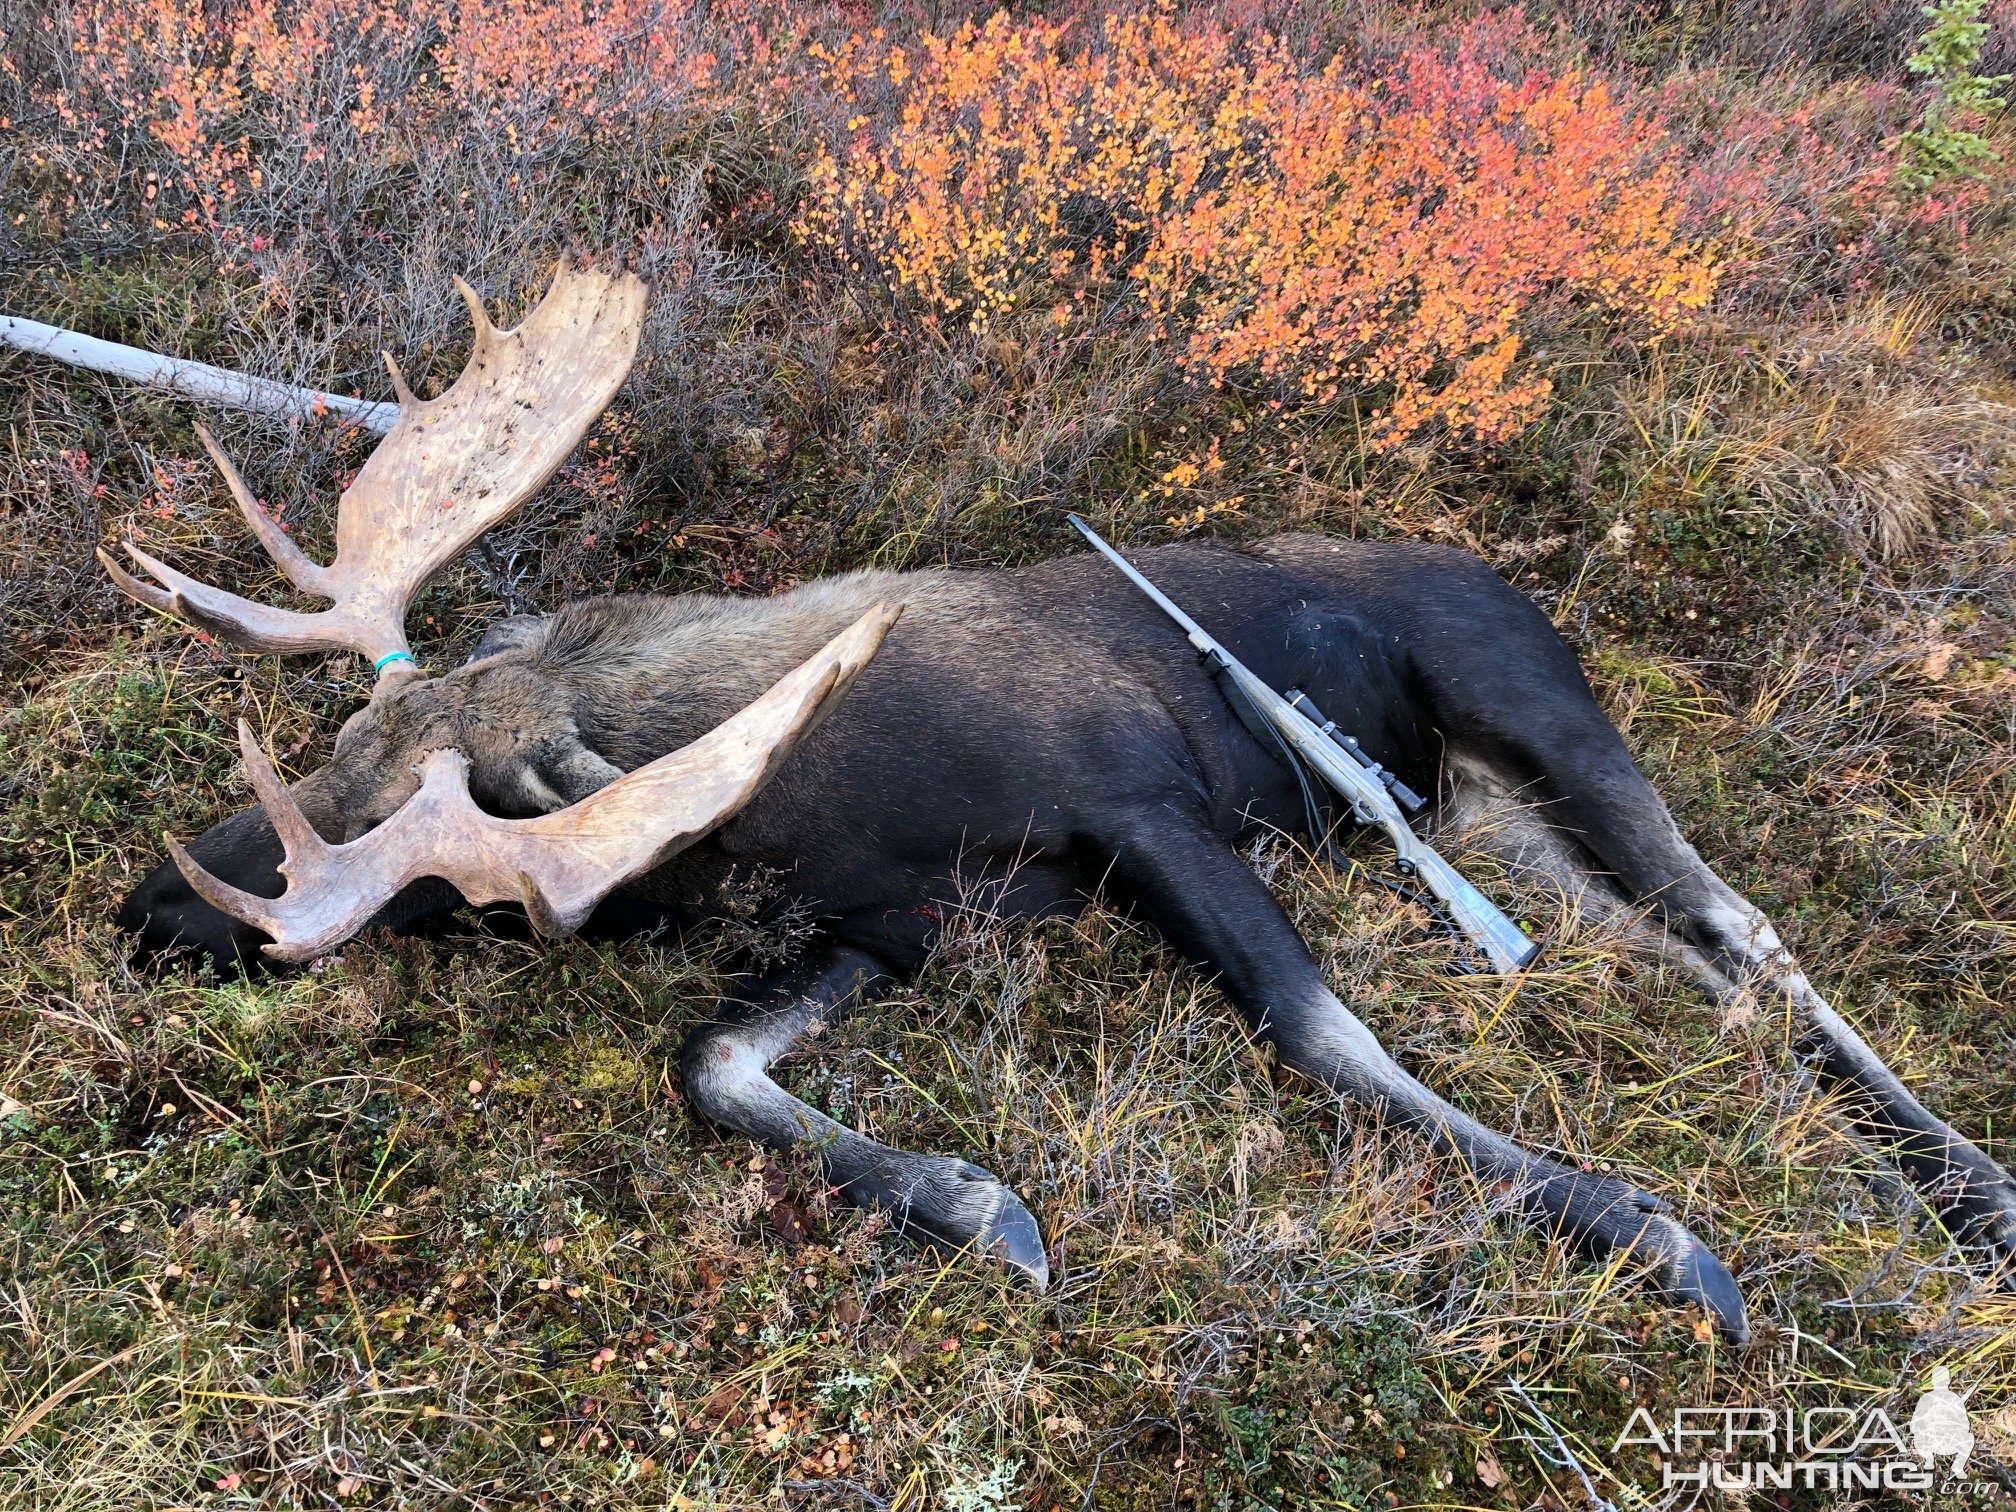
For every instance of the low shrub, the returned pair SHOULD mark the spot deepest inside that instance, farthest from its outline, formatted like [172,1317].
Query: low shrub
[1317,235]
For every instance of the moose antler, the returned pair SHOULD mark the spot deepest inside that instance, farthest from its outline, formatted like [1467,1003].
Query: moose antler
[450,469]
[559,865]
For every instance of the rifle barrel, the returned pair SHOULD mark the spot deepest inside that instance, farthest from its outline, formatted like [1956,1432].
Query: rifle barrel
[1199,637]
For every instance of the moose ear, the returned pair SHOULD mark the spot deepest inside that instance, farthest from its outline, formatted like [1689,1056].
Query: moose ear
[508,635]
[571,771]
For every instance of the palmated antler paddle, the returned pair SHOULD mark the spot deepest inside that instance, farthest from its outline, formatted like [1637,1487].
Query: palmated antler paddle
[559,865]
[450,469]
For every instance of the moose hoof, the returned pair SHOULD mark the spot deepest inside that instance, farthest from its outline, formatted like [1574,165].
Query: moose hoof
[1689,1272]
[957,1206]
[1983,1218]
[1604,1216]
[1012,1238]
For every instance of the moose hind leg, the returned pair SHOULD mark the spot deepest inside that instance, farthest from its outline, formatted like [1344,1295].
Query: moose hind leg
[1210,905]
[1483,809]
[1973,1195]
[1598,797]
[928,1198]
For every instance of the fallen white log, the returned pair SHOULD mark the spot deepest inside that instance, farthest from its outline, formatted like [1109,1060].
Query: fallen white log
[192,380]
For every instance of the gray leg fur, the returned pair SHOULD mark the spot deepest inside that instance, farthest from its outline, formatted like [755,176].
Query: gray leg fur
[1211,906]
[1697,920]
[930,1198]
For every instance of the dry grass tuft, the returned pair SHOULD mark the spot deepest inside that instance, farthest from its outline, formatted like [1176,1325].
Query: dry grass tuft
[1843,422]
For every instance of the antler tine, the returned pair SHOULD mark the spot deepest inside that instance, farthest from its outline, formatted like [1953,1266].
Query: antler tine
[298,841]
[297,836]
[558,865]
[399,389]
[450,469]
[259,627]
[546,923]
[158,599]
[307,575]
[221,895]
[480,317]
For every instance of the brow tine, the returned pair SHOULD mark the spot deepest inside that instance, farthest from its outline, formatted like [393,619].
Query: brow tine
[242,621]
[158,599]
[221,895]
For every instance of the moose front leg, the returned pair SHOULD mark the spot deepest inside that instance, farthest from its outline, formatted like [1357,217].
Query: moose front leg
[929,1198]
[1212,907]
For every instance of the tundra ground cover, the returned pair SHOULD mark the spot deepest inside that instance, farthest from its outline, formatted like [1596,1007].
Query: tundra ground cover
[1631,300]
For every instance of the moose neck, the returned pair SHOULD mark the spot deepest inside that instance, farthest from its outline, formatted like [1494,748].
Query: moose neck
[687,663]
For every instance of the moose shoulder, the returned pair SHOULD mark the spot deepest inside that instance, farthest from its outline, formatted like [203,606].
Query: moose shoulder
[1044,732]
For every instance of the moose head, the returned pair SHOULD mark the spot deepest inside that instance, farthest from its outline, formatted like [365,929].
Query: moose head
[400,802]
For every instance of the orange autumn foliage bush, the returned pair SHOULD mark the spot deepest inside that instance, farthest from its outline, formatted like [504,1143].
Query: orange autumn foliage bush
[253,106]
[1317,234]
[1396,234]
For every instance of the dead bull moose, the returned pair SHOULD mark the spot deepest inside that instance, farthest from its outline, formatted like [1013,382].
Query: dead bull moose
[1043,729]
